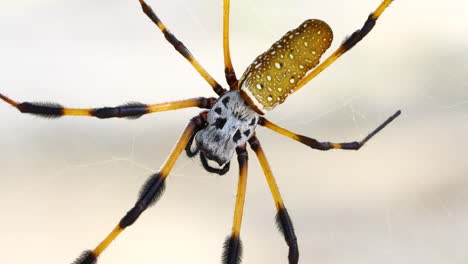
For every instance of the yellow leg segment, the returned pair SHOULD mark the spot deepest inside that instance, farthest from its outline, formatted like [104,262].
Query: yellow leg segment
[106,242]
[240,199]
[131,110]
[228,68]
[283,131]
[255,144]
[347,44]
[149,194]
[282,217]
[181,48]
[313,143]
[233,246]
[8,100]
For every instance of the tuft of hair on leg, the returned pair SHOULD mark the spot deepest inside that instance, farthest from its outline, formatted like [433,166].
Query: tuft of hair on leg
[285,226]
[134,110]
[232,250]
[153,188]
[41,109]
[87,257]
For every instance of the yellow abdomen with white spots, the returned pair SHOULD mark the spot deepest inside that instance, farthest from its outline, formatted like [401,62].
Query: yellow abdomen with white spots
[274,74]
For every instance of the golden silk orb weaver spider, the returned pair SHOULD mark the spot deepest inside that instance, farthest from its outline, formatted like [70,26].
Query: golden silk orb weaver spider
[228,124]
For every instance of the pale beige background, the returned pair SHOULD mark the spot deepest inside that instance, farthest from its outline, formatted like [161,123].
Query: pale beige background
[65,183]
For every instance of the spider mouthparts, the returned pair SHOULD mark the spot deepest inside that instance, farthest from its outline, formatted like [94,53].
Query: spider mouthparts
[215,164]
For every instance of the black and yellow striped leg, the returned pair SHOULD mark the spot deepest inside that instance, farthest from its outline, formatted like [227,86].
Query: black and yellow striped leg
[228,68]
[149,194]
[181,48]
[347,44]
[130,110]
[233,245]
[282,217]
[315,144]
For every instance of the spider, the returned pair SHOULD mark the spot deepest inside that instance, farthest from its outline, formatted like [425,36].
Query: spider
[228,124]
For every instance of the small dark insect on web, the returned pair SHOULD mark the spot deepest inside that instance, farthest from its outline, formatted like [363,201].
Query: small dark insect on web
[228,122]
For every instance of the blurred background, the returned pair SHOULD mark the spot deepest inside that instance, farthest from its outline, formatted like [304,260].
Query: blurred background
[65,183]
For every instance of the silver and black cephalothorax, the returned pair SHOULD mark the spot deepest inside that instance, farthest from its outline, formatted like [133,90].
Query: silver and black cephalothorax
[226,126]
[231,123]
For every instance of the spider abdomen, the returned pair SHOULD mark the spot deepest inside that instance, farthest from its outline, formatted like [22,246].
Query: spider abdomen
[273,75]
[230,123]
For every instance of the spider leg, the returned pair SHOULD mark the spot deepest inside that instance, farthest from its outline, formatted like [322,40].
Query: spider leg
[149,194]
[347,44]
[282,217]
[315,144]
[228,68]
[181,48]
[233,246]
[130,110]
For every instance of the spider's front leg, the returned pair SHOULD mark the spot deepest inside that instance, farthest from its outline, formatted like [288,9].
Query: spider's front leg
[233,245]
[315,144]
[149,194]
[181,48]
[129,110]
[228,68]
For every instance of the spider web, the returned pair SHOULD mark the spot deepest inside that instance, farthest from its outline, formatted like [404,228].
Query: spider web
[401,199]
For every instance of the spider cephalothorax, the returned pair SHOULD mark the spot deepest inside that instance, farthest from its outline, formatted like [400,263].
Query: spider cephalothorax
[229,124]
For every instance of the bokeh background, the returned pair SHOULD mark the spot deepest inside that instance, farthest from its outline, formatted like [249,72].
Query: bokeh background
[65,183]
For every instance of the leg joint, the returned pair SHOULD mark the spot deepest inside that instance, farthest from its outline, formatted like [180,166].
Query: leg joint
[132,215]
[359,34]
[232,250]
[285,225]
[200,120]
[47,110]
[254,143]
[242,155]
